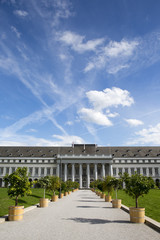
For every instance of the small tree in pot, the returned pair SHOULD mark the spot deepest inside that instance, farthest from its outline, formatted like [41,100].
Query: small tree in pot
[117,184]
[44,183]
[53,185]
[137,185]
[18,185]
[107,186]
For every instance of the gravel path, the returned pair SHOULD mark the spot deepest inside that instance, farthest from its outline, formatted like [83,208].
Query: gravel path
[79,216]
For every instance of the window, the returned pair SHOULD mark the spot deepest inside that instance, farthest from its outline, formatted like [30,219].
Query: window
[7,170]
[150,171]
[132,171]
[156,171]
[1,170]
[54,171]
[120,170]
[13,169]
[114,172]
[36,171]
[138,170]
[30,170]
[48,171]
[91,171]
[126,170]
[42,171]
[144,171]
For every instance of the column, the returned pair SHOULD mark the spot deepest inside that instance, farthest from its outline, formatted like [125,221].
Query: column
[129,171]
[103,170]
[57,170]
[95,171]
[73,172]
[45,171]
[80,175]
[147,172]
[88,175]
[141,170]
[65,172]
[110,170]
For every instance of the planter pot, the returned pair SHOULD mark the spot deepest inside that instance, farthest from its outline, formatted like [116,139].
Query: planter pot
[116,203]
[43,202]
[103,195]
[69,192]
[15,213]
[73,190]
[66,193]
[54,198]
[61,195]
[137,215]
[108,198]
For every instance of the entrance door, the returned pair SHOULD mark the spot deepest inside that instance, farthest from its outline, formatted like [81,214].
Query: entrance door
[84,183]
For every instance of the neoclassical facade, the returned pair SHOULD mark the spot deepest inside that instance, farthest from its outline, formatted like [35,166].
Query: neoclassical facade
[83,163]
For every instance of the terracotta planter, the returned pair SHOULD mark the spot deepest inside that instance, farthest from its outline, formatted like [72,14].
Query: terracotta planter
[54,198]
[43,202]
[137,215]
[69,192]
[66,193]
[108,198]
[15,213]
[116,203]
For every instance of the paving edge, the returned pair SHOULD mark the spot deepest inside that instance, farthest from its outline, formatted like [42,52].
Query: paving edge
[148,221]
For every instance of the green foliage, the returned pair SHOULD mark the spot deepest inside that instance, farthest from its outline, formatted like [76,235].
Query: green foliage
[107,185]
[116,183]
[54,184]
[75,185]
[18,184]
[96,183]
[137,185]
[69,185]
[63,186]
[44,183]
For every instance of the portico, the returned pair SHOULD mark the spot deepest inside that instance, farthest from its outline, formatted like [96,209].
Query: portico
[84,169]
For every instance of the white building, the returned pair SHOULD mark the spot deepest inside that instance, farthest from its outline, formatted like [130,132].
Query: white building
[81,163]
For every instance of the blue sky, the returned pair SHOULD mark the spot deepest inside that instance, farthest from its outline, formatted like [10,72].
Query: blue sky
[79,72]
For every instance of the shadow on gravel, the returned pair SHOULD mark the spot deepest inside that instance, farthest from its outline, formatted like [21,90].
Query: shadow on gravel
[87,207]
[96,221]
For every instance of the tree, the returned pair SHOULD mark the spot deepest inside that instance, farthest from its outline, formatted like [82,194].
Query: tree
[18,184]
[117,184]
[44,182]
[75,185]
[69,185]
[107,185]
[54,184]
[137,185]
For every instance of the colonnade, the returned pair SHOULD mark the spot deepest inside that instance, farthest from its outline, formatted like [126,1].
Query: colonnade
[84,178]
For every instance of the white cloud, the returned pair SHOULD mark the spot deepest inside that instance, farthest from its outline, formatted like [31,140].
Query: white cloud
[69,123]
[20,13]
[77,42]
[114,57]
[111,115]
[14,29]
[134,122]
[93,116]
[149,136]
[67,140]
[109,97]
[115,49]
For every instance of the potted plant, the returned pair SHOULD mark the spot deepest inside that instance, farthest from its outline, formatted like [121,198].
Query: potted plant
[75,185]
[18,186]
[44,183]
[137,185]
[107,186]
[64,188]
[69,184]
[54,184]
[117,184]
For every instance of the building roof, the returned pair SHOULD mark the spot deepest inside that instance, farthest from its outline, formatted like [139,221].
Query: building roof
[80,149]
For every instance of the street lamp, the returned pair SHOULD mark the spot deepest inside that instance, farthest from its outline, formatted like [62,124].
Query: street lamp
[60,176]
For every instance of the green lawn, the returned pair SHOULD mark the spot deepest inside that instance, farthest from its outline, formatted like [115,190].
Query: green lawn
[151,202]
[27,201]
